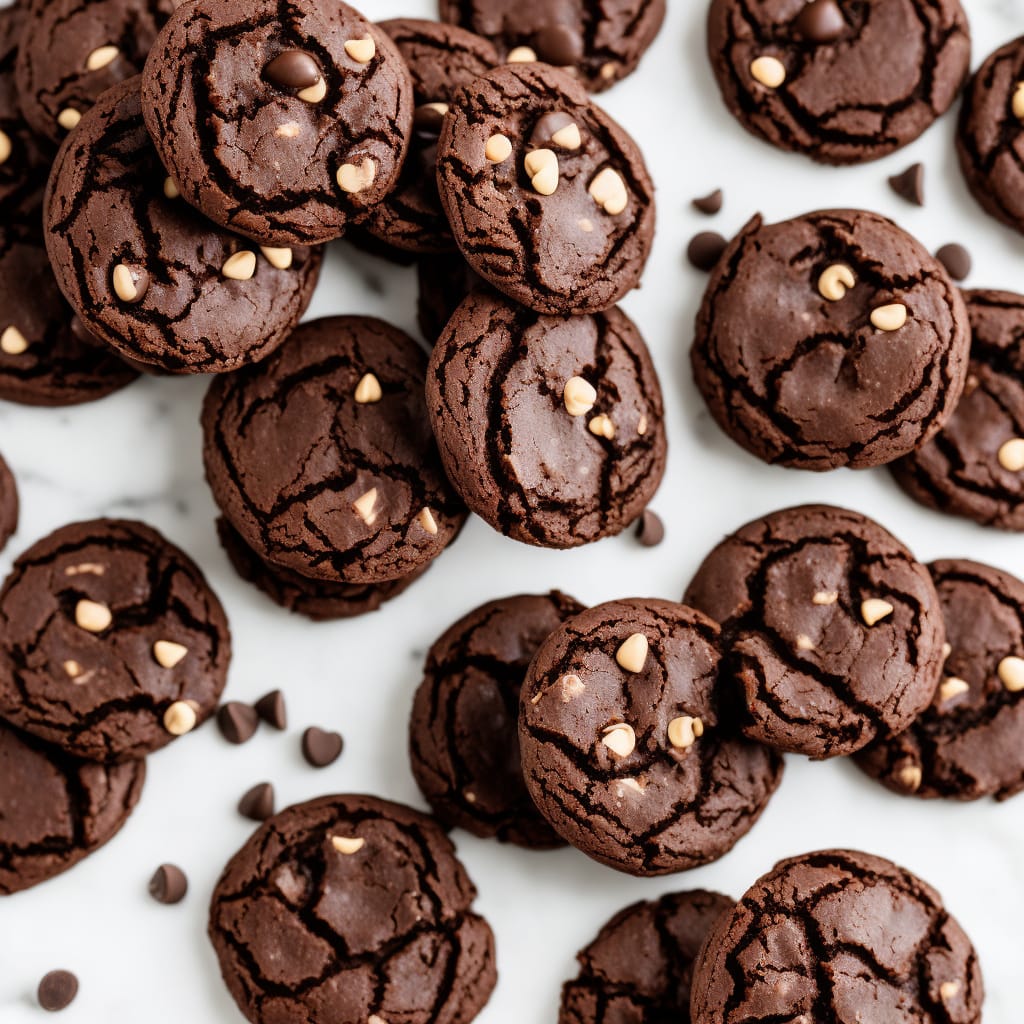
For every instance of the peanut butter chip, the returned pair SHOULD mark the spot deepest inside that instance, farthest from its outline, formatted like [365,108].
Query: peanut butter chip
[361,50]
[949,990]
[804,642]
[874,609]
[952,687]
[632,653]
[92,616]
[522,55]
[348,844]
[168,653]
[608,190]
[602,426]
[101,57]
[579,396]
[288,130]
[571,686]
[313,93]
[1011,673]
[5,147]
[180,718]
[241,266]
[684,731]
[355,179]
[368,390]
[1011,455]
[769,71]
[498,149]
[619,739]
[1018,100]
[72,668]
[910,777]
[68,118]
[171,191]
[279,258]
[428,522]
[889,318]
[835,280]
[364,506]
[825,597]
[542,167]
[568,137]
[12,341]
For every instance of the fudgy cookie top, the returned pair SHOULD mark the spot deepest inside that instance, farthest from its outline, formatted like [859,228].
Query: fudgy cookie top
[824,936]
[841,82]
[351,908]
[974,466]
[833,339]
[116,644]
[548,198]
[323,459]
[969,742]
[832,630]
[8,503]
[279,121]
[624,748]
[597,41]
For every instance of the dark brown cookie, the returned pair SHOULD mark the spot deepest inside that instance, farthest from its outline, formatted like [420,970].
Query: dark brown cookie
[441,59]
[625,749]
[463,739]
[974,466]
[969,742]
[54,809]
[322,456]
[832,631]
[598,42]
[833,339]
[442,281]
[116,643]
[639,968]
[8,503]
[842,82]
[550,427]
[281,122]
[548,198]
[836,936]
[350,908]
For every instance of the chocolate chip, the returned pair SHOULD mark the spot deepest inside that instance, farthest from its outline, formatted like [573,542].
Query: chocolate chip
[910,184]
[272,710]
[57,990]
[956,259]
[821,21]
[321,748]
[292,69]
[558,45]
[545,130]
[709,204]
[650,530]
[168,884]
[237,721]
[705,248]
[258,802]
[427,120]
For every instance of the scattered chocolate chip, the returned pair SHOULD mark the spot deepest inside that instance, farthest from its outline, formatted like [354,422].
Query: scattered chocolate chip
[57,990]
[956,259]
[292,69]
[168,884]
[709,204]
[705,248]
[558,45]
[321,748]
[272,710]
[650,530]
[237,721]
[910,184]
[821,21]
[258,802]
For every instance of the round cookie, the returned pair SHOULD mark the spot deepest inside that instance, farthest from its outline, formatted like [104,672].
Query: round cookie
[315,599]
[351,908]
[832,936]
[625,748]
[551,428]
[974,466]
[548,198]
[832,632]
[833,339]
[279,122]
[147,273]
[72,51]
[843,83]
[463,740]
[56,810]
[639,967]
[598,42]
[322,457]
[115,641]
[969,742]
[8,503]
[441,59]
[442,282]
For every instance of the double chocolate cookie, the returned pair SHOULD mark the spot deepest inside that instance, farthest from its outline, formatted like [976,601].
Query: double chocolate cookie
[969,742]
[281,122]
[833,339]
[625,748]
[832,631]
[836,936]
[322,457]
[8,503]
[974,466]
[640,966]
[550,427]
[841,82]
[350,908]
[463,739]
[114,642]
[548,198]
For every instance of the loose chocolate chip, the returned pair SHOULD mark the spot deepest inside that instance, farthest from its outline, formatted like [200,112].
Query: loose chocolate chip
[650,530]
[956,259]
[321,748]
[57,990]
[558,45]
[910,184]
[272,710]
[545,130]
[237,721]
[821,21]
[709,204]
[427,119]
[292,69]
[168,884]
[258,802]
[705,248]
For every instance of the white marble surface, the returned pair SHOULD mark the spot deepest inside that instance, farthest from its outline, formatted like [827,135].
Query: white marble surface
[137,454]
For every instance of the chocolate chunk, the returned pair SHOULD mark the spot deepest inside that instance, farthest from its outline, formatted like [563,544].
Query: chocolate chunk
[271,708]
[258,802]
[57,990]
[292,69]
[321,748]
[650,530]
[237,722]
[821,21]
[169,884]
[956,259]
[709,204]
[909,184]
[705,249]
[560,45]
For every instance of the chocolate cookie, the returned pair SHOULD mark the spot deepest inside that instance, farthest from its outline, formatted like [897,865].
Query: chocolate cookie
[832,631]
[974,466]
[969,742]
[279,122]
[836,936]
[833,339]
[322,456]
[548,198]
[8,503]
[441,59]
[550,427]
[318,600]
[462,736]
[639,968]
[843,83]
[116,643]
[625,748]
[72,51]
[350,908]
[442,282]
[54,809]
[146,272]
[597,42]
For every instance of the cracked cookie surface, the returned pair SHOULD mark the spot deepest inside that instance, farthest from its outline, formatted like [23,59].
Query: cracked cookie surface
[8,503]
